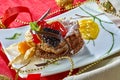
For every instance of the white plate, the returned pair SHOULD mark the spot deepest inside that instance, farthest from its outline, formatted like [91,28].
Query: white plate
[89,54]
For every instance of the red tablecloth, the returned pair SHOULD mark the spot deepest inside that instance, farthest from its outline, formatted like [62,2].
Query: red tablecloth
[37,7]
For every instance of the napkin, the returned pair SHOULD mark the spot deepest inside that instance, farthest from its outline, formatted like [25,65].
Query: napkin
[109,71]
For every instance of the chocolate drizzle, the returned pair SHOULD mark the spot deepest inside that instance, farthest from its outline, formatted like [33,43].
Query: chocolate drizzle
[50,36]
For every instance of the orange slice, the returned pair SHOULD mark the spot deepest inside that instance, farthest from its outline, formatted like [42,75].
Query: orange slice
[23,47]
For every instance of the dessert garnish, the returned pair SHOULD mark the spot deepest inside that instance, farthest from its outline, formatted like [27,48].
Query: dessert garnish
[89,29]
[15,36]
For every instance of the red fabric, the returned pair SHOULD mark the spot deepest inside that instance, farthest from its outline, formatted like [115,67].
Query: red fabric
[11,14]
[37,8]
[33,77]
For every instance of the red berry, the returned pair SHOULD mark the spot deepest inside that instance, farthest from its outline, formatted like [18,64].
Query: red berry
[43,24]
[35,39]
[58,26]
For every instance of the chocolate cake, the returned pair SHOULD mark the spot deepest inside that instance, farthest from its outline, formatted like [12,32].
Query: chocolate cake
[54,44]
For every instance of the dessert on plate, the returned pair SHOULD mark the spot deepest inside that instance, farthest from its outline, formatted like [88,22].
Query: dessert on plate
[49,40]
[61,39]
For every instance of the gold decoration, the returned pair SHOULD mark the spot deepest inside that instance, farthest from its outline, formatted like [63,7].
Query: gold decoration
[111,9]
[108,7]
[65,4]
[51,62]
[1,25]
[3,77]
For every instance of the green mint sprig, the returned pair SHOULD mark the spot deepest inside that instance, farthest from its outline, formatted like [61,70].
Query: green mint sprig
[34,26]
[15,36]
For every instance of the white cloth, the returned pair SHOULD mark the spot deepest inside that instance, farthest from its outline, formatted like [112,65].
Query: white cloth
[110,71]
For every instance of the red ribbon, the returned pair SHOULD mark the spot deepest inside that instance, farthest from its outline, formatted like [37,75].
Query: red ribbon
[11,14]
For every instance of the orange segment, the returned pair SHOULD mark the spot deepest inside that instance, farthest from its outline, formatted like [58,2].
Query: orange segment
[23,47]
[89,29]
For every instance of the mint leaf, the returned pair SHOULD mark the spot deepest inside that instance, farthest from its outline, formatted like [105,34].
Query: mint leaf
[34,26]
